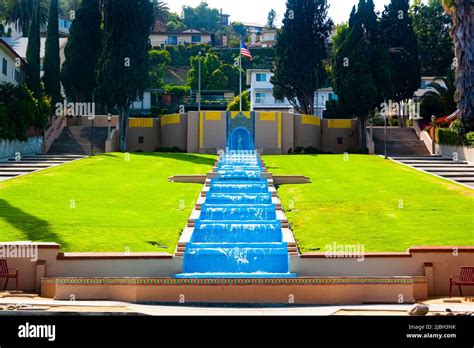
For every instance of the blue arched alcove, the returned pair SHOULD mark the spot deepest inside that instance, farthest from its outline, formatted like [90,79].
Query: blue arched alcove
[241,132]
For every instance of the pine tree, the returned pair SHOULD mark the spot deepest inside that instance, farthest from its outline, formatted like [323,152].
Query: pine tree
[52,61]
[361,70]
[123,68]
[33,79]
[398,35]
[82,52]
[300,51]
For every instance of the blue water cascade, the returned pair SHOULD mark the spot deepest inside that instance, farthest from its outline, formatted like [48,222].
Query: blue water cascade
[237,234]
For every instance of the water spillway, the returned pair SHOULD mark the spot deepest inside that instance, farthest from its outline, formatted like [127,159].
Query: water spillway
[238,233]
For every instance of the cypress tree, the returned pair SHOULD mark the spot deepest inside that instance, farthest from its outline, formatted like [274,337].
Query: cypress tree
[300,51]
[361,70]
[52,61]
[33,79]
[82,52]
[123,68]
[398,35]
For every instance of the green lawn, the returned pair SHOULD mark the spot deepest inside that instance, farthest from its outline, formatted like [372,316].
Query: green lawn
[103,203]
[370,201]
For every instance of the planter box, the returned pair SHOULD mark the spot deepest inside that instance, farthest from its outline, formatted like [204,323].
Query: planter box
[463,153]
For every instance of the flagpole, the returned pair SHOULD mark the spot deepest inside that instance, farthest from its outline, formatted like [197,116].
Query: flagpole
[240,74]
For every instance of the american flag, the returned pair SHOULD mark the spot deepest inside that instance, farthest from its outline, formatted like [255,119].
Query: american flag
[245,51]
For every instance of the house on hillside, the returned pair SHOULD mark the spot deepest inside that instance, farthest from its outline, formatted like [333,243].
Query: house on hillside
[265,40]
[20,44]
[185,37]
[261,94]
[425,85]
[64,27]
[12,65]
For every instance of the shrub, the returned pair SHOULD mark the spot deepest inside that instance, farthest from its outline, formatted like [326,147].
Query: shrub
[20,111]
[469,139]
[447,136]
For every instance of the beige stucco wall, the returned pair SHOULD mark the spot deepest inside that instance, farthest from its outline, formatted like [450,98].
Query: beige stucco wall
[444,261]
[306,135]
[268,132]
[149,130]
[334,129]
[174,131]
[212,131]
[193,132]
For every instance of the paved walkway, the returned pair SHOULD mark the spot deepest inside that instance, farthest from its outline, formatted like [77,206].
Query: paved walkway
[31,303]
[29,164]
[459,171]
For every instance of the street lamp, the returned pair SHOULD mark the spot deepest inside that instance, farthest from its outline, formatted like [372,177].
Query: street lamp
[199,82]
[109,120]
[92,118]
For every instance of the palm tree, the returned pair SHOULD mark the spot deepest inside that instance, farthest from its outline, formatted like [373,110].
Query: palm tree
[462,13]
[441,98]
[19,13]
[162,11]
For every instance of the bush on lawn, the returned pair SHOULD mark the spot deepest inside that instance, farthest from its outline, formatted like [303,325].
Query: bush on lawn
[19,111]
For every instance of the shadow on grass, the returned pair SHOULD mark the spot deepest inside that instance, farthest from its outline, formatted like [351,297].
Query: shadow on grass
[33,228]
[185,157]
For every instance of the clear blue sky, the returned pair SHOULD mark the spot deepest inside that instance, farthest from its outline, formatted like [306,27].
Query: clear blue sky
[256,10]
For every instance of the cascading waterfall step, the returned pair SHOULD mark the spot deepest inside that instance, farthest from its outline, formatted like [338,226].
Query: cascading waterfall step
[236,230]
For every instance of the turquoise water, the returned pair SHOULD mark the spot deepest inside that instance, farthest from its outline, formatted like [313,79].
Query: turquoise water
[238,234]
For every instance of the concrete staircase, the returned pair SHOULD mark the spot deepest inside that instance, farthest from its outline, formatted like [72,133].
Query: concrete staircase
[77,140]
[459,171]
[400,142]
[29,164]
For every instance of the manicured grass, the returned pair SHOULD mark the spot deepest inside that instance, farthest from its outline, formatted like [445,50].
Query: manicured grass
[103,203]
[374,202]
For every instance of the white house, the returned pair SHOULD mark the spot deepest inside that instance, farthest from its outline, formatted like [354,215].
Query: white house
[20,44]
[186,37]
[261,93]
[12,65]
[425,85]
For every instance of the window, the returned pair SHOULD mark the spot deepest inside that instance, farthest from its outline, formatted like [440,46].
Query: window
[425,84]
[5,67]
[339,140]
[261,77]
[17,76]
[260,97]
[172,40]
[141,140]
[196,38]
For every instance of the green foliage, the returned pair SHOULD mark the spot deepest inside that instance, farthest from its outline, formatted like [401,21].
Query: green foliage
[175,23]
[469,139]
[219,81]
[440,102]
[19,13]
[82,52]
[432,25]
[300,51]
[123,68]
[177,90]
[19,111]
[448,136]
[33,80]
[398,35]
[158,61]
[361,70]
[201,17]
[239,29]
[235,104]
[180,55]
[271,18]
[334,110]
[52,61]
[215,75]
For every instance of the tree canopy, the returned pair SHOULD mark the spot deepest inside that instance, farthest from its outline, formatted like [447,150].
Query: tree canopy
[300,51]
